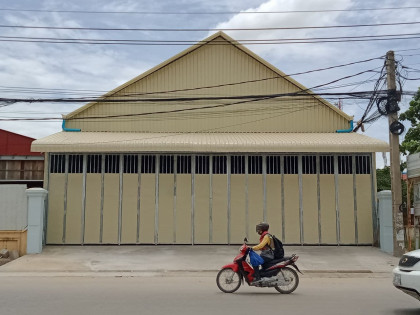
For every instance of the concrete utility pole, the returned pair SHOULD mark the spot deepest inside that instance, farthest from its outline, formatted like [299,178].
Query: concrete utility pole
[394,145]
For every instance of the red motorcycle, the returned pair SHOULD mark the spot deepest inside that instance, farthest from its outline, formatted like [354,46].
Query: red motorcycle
[275,273]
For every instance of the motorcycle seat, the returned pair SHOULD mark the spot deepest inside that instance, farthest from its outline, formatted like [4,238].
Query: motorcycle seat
[273,262]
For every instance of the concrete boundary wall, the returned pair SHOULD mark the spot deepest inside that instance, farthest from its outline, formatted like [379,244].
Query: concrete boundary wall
[13,208]
[13,218]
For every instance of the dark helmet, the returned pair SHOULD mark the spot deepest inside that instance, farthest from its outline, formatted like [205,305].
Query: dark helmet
[263,226]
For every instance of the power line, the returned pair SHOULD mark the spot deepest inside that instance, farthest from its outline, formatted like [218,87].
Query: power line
[415,70]
[362,94]
[204,29]
[32,89]
[409,49]
[177,99]
[408,55]
[410,79]
[373,99]
[232,84]
[206,130]
[207,12]
[189,42]
[258,110]
[210,43]
[49,89]
[176,44]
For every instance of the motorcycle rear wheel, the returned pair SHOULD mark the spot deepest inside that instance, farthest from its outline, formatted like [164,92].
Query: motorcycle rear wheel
[291,278]
[228,281]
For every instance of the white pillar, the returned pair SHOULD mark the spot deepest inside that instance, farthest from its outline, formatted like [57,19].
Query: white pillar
[385,221]
[36,198]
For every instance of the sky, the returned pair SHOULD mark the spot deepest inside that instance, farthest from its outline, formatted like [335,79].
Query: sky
[49,70]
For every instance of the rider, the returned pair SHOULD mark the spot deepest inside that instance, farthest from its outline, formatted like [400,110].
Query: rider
[266,243]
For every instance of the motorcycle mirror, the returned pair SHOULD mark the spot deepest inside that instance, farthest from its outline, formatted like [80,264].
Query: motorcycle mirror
[245,240]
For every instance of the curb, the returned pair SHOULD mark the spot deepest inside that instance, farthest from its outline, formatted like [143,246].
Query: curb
[174,273]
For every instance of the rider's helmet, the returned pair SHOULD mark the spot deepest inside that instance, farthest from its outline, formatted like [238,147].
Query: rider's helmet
[262,227]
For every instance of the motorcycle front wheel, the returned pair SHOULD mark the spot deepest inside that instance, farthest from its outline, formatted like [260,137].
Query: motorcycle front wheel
[290,279]
[228,280]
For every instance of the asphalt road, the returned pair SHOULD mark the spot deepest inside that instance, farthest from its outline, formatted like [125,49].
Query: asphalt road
[197,294]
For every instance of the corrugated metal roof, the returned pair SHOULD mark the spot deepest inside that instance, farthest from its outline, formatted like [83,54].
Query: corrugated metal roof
[207,142]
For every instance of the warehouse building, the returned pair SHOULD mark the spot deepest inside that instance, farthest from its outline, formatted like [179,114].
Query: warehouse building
[201,148]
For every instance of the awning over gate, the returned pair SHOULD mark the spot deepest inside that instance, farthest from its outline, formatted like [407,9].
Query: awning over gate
[207,142]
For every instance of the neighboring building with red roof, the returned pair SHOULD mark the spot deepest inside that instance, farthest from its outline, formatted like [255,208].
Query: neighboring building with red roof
[18,165]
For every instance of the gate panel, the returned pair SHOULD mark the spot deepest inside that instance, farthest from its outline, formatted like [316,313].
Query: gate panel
[310,209]
[93,208]
[274,204]
[55,209]
[364,209]
[237,202]
[74,209]
[111,205]
[166,208]
[129,209]
[147,208]
[220,205]
[202,215]
[346,208]
[291,209]
[183,209]
[256,204]
[328,213]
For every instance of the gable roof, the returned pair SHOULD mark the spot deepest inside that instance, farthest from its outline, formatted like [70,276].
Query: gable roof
[193,48]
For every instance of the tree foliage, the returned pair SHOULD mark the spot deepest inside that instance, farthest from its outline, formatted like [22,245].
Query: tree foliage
[383,181]
[411,143]
[383,178]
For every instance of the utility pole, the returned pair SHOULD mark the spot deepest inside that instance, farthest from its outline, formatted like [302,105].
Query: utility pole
[394,148]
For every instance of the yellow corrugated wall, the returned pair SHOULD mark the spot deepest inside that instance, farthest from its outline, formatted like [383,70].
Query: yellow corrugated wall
[255,204]
[364,209]
[202,209]
[93,209]
[166,208]
[274,210]
[310,209]
[328,211]
[147,208]
[220,209]
[56,209]
[129,209]
[111,208]
[74,209]
[238,207]
[213,65]
[183,209]
[291,209]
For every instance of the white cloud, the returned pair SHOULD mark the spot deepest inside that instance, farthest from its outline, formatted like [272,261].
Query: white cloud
[59,66]
[285,20]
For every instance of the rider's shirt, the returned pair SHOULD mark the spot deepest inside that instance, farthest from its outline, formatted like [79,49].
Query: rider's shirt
[265,241]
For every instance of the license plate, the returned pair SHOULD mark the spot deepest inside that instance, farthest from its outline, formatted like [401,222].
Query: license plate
[397,279]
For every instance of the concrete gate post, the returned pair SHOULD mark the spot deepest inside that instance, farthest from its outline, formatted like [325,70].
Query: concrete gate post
[385,221]
[36,199]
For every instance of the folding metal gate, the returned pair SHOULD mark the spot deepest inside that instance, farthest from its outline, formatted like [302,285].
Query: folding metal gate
[209,199]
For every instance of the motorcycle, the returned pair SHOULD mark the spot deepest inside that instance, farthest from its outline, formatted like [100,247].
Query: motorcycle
[276,273]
